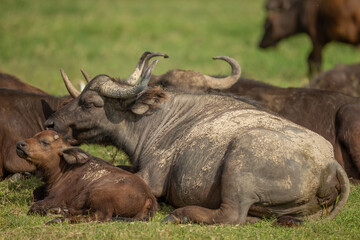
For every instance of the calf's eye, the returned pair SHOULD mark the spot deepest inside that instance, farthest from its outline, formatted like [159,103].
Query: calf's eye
[45,143]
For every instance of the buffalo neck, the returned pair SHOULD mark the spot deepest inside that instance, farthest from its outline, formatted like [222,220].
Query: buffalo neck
[50,173]
[136,135]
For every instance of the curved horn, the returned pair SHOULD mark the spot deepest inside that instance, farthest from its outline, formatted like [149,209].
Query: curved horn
[134,77]
[150,56]
[143,64]
[113,90]
[86,76]
[71,89]
[225,82]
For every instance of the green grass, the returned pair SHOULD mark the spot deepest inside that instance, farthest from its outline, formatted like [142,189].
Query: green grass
[16,224]
[39,37]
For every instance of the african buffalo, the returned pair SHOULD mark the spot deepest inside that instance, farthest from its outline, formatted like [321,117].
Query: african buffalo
[323,20]
[333,115]
[226,158]
[22,115]
[341,78]
[78,183]
[11,82]
[195,80]
[318,110]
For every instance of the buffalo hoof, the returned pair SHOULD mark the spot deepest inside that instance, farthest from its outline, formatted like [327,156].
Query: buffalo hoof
[56,221]
[288,221]
[172,219]
[57,210]
[19,176]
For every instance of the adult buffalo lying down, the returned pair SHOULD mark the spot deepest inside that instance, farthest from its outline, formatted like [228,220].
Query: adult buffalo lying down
[11,82]
[77,183]
[342,78]
[333,115]
[226,158]
[22,115]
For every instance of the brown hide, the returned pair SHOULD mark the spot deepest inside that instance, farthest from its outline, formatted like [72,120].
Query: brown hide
[22,115]
[193,80]
[11,82]
[323,21]
[342,78]
[77,183]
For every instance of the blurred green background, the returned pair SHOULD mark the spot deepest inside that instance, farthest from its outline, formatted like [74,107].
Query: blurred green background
[39,37]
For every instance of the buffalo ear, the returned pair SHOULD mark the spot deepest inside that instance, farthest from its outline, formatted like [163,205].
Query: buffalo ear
[148,101]
[140,109]
[75,155]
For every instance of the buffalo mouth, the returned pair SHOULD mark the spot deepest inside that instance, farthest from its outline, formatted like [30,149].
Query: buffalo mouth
[266,44]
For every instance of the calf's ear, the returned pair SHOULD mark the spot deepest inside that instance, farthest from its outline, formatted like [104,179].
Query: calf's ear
[75,155]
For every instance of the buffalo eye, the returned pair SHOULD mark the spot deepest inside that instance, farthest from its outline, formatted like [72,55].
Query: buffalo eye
[87,104]
[45,142]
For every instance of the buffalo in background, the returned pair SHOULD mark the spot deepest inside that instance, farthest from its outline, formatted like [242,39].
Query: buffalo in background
[341,78]
[11,82]
[23,114]
[195,80]
[323,20]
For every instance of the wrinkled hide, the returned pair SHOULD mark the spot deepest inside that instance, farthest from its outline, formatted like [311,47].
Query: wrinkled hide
[317,110]
[217,158]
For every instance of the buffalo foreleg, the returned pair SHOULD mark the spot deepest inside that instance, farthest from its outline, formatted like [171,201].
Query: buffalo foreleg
[224,215]
[315,59]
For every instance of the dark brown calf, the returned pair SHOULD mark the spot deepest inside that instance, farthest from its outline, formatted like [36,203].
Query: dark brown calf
[77,183]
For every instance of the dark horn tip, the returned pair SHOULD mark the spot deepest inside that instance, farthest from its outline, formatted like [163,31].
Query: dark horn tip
[146,53]
[219,57]
[166,56]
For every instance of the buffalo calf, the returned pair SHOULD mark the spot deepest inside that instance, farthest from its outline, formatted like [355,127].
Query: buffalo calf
[77,183]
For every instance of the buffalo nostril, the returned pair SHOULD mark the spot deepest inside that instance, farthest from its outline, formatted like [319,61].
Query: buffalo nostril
[49,124]
[21,145]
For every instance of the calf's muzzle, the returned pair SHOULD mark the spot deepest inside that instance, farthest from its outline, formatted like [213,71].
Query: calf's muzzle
[21,149]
